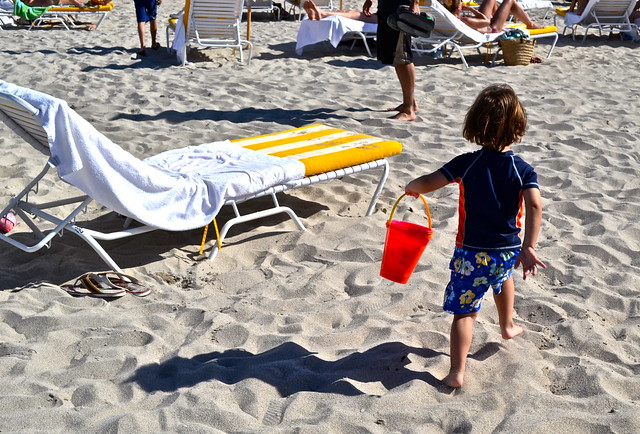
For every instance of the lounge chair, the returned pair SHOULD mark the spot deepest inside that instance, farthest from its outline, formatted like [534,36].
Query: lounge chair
[601,15]
[209,23]
[264,6]
[449,31]
[177,190]
[67,16]
[334,29]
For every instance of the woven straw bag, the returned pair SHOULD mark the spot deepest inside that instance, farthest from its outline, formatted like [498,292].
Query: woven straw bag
[517,51]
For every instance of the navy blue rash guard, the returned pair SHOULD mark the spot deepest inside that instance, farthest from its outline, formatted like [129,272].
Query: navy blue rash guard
[491,198]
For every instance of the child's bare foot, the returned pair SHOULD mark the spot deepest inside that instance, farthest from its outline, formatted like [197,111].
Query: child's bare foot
[535,26]
[454,379]
[512,331]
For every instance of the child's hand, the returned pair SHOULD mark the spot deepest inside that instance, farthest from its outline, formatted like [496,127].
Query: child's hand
[529,261]
[410,192]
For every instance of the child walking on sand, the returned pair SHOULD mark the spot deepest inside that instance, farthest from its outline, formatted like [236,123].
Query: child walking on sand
[493,183]
[146,12]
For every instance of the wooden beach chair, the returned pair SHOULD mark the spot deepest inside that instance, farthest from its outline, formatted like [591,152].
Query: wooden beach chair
[294,158]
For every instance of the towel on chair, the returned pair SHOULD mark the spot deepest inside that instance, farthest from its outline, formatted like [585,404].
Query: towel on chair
[177,190]
[330,28]
[28,13]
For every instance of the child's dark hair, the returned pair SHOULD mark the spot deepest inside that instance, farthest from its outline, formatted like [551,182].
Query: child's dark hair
[496,119]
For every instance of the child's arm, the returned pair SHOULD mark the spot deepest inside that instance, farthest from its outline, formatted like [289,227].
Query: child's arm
[426,184]
[532,222]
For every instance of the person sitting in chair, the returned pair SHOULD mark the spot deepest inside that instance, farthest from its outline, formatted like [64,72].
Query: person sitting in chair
[489,19]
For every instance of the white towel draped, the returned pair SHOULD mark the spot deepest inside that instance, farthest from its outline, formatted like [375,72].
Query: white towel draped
[181,189]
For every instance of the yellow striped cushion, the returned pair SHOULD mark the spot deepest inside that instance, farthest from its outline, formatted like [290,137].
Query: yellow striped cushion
[322,148]
[548,29]
[104,8]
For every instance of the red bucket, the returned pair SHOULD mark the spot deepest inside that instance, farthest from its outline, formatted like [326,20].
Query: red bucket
[403,246]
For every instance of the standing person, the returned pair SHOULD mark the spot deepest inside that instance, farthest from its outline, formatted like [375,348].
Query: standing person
[146,12]
[394,48]
[493,184]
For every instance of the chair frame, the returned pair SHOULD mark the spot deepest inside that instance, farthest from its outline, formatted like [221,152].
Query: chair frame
[599,14]
[24,119]
[65,18]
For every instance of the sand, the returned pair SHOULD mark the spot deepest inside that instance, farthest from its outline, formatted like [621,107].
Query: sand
[290,331]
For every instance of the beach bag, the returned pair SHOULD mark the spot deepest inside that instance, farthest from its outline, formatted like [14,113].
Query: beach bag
[517,47]
[419,25]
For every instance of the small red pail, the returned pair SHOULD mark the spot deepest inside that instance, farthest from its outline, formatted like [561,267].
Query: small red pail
[404,244]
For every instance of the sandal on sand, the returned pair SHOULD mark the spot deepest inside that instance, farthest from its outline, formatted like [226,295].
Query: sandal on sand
[122,282]
[88,285]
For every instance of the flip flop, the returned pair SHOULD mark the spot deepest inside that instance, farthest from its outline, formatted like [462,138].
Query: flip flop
[121,282]
[86,285]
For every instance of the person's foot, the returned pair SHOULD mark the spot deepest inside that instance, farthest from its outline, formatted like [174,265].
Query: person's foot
[512,331]
[407,117]
[311,9]
[401,108]
[142,52]
[453,379]
[155,46]
[534,26]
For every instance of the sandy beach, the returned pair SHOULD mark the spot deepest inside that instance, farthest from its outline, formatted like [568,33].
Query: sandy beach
[293,331]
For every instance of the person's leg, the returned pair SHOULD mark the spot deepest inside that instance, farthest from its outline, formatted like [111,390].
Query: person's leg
[407,76]
[153,28]
[488,8]
[141,32]
[504,304]
[511,7]
[461,337]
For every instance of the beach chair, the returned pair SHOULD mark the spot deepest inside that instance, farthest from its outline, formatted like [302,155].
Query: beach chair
[67,16]
[601,15]
[209,23]
[334,29]
[264,6]
[449,31]
[177,190]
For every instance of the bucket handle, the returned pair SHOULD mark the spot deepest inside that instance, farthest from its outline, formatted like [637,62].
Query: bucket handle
[395,205]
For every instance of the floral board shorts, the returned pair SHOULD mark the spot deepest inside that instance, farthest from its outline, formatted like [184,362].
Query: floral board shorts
[472,273]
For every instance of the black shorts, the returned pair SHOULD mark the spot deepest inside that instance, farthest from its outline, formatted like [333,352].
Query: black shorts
[387,41]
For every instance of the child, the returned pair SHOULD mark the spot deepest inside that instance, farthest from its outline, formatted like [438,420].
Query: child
[493,182]
[146,12]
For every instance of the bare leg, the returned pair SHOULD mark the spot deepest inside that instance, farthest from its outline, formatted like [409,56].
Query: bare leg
[141,31]
[315,13]
[511,7]
[504,304]
[407,76]
[461,337]
[488,8]
[153,28]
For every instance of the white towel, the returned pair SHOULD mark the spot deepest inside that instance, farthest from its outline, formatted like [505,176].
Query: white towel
[331,28]
[181,189]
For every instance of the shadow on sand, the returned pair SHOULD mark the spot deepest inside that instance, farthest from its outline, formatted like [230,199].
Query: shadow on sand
[291,368]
